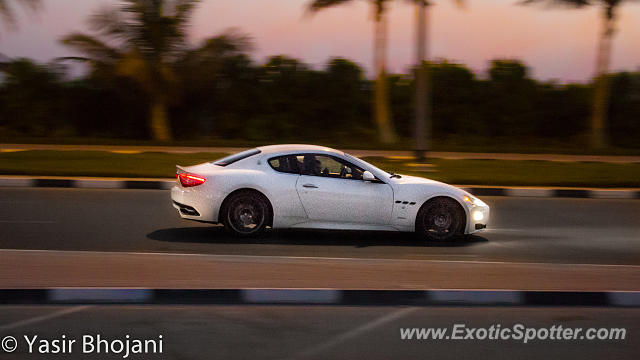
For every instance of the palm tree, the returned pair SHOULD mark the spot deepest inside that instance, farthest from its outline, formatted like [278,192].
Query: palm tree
[381,106]
[140,39]
[423,123]
[6,12]
[601,98]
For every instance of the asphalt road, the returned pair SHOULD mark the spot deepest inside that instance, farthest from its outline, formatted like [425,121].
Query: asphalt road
[316,332]
[129,234]
[561,231]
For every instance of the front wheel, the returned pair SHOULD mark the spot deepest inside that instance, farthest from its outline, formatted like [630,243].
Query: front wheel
[440,219]
[246,213]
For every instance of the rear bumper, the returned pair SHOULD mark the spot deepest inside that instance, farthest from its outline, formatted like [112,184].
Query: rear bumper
[193,205]
[185,209]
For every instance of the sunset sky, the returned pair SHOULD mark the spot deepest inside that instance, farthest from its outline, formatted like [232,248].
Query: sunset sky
[555,43]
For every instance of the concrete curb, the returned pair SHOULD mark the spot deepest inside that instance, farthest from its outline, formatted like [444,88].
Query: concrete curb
[87,183]
[162,184]
[319,297]
[577,193]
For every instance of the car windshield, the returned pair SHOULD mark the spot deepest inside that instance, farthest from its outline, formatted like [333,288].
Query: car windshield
[236,157]
[365,164]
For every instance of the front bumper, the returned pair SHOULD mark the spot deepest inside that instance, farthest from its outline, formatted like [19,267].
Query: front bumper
[478,218]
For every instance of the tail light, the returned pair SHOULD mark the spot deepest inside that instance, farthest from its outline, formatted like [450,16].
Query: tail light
[190,180]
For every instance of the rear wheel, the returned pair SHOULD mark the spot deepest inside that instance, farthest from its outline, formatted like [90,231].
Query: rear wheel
[246,213]
[440,219]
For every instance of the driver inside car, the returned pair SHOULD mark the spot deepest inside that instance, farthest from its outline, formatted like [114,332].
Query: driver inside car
[311,165]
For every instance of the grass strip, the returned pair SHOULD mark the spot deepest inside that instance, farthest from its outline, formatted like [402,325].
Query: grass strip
[475,172]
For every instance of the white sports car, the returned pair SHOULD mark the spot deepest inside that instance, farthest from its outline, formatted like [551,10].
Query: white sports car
[306,186]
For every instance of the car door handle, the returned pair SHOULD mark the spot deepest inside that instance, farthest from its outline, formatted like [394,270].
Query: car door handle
[310,186]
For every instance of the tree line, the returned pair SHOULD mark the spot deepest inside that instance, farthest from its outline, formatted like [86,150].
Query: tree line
[224,94]
[139,58]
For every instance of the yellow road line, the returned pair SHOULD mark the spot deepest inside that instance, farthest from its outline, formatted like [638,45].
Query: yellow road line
[125,151]
[11,150]
[400,157]
[420,165]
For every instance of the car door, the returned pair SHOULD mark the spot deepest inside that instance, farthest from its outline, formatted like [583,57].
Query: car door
[288,209]
[332,190]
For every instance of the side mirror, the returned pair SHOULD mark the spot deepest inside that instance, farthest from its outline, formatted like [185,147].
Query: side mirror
[368,176]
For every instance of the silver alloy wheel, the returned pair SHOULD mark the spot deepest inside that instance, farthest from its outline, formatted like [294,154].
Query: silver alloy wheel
[246,214]
[441,219]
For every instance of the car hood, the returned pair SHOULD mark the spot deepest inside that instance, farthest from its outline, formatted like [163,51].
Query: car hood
[416,180]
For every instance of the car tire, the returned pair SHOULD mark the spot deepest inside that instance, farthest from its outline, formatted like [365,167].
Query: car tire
[246,213]
[440,219]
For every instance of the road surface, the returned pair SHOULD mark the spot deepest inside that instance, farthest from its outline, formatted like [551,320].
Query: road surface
[570,231]
[135,238]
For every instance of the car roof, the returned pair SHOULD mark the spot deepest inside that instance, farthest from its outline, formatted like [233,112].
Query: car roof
[286,148]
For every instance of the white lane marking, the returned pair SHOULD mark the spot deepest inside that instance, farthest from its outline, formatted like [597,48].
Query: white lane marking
[280,257]
[13,182]
[98,184]
[353,333]
[42,318]
[492,230]
[528,192]
[613,194]
[27,222]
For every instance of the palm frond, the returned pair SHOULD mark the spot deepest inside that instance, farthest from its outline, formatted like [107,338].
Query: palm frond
[232,42]
[564,3]
[81,59]
[317,5]
[184,9]
[111,23]
[181,17]
[458,3]
[93,48]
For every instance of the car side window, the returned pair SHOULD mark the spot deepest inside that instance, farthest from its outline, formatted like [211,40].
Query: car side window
[286,164]
[328,166]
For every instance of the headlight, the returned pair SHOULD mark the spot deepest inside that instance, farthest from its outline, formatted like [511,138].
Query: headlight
[473,200]
[478,216]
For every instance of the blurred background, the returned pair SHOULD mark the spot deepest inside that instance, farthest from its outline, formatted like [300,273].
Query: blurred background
[498,95]
[500,75]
